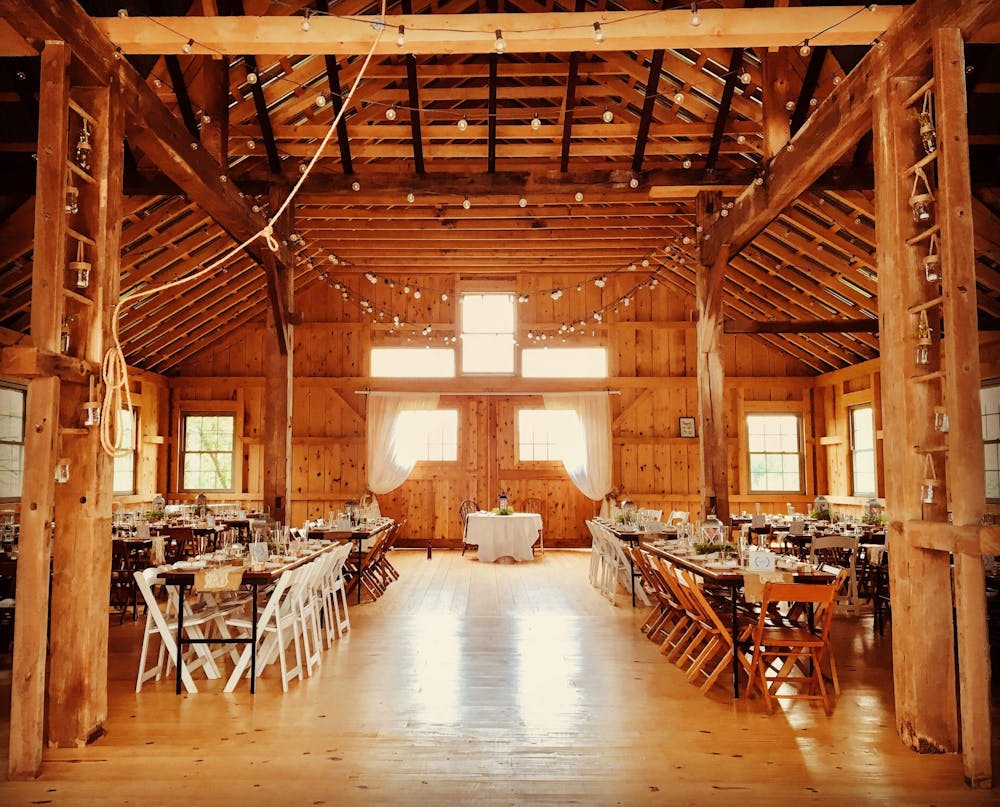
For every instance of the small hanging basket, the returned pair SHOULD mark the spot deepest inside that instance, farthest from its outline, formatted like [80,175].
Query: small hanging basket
[921,197]
[80,267]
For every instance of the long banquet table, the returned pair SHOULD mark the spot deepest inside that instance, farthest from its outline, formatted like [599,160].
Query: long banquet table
[503,536]
[255,578]
[358,533]
[733,579]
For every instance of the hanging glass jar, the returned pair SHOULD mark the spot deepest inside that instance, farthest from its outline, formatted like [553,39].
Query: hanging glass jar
[83,147]
[941,422]
[64,334]
[932,262]
[921,199]
[928,135]
[72,197]
[924,338]
[80,267]
[931,485]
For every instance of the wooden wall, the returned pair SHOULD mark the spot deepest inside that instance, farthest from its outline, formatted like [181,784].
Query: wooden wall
[651,347]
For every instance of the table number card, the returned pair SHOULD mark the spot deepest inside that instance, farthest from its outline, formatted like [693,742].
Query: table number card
[258,552]
[761,561]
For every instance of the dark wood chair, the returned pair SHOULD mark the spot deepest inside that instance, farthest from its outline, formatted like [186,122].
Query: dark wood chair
[535,505]
[465,509]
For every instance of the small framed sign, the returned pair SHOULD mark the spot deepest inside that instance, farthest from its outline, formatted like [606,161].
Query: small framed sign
[687,427]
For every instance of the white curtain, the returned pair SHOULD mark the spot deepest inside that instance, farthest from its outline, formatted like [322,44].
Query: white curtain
[390,454]
[587,453]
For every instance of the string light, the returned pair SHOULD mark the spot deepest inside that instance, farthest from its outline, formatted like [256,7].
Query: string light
[633,182]
[306,25]
[805,50]
[463,124]
[390,113]
[355,186]
[500,45]
[522,202]
[410,197]
[401,36]
[251,78]
[321,100]
[578,196]
[186,47]
[608,115]
[745,77]
[695,16]
[687,162]
[536,123]
[466,203]
[598,33]
[678,97]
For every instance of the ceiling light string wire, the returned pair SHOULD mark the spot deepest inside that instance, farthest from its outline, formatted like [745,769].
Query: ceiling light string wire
[114,369]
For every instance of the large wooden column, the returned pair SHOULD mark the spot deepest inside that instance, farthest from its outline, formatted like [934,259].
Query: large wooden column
[278,372]
[81,568]
[27,711]
[961,385]
[923,636]
[711,402]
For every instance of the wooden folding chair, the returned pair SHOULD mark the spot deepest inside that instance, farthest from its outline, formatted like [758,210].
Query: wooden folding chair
[797,652]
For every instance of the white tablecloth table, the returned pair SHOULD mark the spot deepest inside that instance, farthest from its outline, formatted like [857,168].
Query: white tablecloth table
[503,536]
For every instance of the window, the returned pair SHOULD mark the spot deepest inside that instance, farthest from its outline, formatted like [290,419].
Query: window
[409,362]
[775,453]
[990,407]
[541,433]
[124,472]
[207,447]
[863,451]
[429,434]
[564,362]
[487,333]
[12,404]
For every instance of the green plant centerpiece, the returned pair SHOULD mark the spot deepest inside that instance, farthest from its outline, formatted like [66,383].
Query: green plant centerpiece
[155,515]
[708,547]
[820,514]
[503,511]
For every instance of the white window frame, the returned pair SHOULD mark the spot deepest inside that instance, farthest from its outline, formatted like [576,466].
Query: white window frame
[862,453]
[183,449]
[527,352]
[130,458]
[993,443]
[468,332]
[800,451]
[430,444]
[17,444]
[538,430]
[413,369]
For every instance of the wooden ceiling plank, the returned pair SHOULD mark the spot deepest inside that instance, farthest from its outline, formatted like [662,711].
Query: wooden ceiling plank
[802,326]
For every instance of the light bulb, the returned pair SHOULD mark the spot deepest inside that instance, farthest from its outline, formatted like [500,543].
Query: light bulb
[678,97]
[466,203]
[321,100]
[355,186]
[633,182]
[463,124]
[598,33]
[805,50]
[789,105]
[536,123]
[390,113]
[741,139]
[522,202]
[687,162]
[410,197]
[608,115]
[251,78]
[186,47]
[416,294]
[123,12]
[579,196]
[206,119]
[500,45]
[306,25]
[745,77]
[444,296]
[695,16]
[401,36]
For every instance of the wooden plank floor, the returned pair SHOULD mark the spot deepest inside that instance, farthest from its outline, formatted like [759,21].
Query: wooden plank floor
[498,684]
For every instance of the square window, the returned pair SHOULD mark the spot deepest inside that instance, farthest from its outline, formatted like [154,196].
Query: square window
[488,324]
[429,435]
[207,449]
[774,453]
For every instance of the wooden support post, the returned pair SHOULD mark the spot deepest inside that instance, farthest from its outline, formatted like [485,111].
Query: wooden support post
[278,369]
[81,568]
[923,635]
[27,721]
[215,92]
[31,631]
[711,404]
[960,384]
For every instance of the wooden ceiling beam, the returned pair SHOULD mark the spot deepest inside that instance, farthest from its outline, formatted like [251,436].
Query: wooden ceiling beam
[491,110]
[841,119]
[561,32]
[569,108]
[181,94]
[648,103]
[808,90]
[725,105]
[337,103]
[801,326]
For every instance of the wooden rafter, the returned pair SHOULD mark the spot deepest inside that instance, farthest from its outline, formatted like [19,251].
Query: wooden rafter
[721,119]
[568,109]
[649,102]
[808,90]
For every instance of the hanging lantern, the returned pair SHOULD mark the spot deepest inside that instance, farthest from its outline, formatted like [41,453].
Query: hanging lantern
[931,484]
[62,471]
[932,262]
[921,201]
[928,135]
[72,197]
[81,267]
[924,338]
[64,335]
[83,148]
[871,513]
[92,408]
[941,422]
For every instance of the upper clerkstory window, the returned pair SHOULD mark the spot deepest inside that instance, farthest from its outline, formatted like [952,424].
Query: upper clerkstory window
[412,362]
[12,403]
[564,362]
[487,332]
[207,451]
[775,453]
